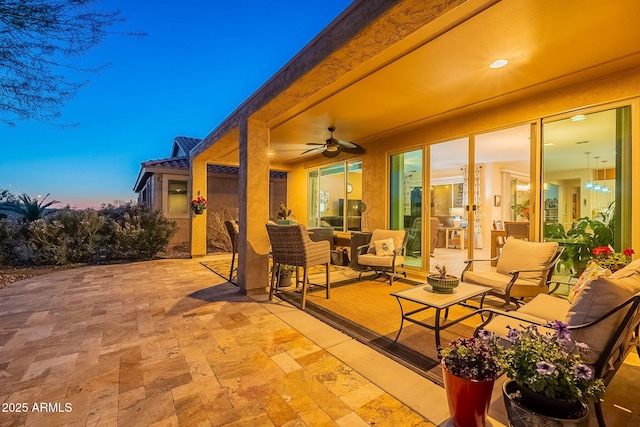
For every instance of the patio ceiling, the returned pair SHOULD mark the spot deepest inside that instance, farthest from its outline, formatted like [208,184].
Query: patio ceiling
[549,44]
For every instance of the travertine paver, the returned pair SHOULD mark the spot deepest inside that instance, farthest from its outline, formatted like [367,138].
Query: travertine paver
[166,343]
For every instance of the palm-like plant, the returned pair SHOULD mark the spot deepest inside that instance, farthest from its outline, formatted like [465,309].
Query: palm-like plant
[33,209]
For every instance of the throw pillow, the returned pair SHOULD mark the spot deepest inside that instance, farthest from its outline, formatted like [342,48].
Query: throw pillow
[523,255]
[598,297]
[593,271]
[384,247]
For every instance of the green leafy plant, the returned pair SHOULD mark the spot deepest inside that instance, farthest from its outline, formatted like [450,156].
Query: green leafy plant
[471,358]
[522,209]
[580,240]
[545,362]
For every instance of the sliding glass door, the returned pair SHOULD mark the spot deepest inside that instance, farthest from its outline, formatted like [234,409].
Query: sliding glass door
[405,204]
[587,173]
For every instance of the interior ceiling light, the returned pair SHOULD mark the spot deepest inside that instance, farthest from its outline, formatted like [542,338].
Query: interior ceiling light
[578,118]
[499,63]
[605,188]
[596,186]
[589,183]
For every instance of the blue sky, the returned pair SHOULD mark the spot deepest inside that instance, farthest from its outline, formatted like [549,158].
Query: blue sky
[198,62]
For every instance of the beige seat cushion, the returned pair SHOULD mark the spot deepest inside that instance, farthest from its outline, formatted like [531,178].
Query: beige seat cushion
[523,255]
[540,310]
[499,282]
[596,298]
[372,260]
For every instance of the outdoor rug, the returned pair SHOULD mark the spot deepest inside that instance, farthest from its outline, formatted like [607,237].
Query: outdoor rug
[222,266]
[366,311]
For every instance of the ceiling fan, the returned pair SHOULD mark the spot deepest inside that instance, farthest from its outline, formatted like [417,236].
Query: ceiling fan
[333,147]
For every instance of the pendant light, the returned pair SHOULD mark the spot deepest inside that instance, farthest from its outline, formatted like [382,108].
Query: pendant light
[605,189]
[589,183]
[596,186]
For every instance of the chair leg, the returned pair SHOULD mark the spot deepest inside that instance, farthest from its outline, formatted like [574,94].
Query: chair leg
[599,415]
[273,281]
[328,279]
[233,259]
[304,288]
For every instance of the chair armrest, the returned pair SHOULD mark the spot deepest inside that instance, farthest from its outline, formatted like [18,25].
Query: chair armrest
[469,261]
[493,312]
[556,285]
[361,249]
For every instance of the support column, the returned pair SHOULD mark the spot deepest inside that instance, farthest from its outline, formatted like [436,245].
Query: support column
[253,242]
[198,224]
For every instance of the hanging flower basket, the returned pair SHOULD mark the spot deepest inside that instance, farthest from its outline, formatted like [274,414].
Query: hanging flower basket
[199,204]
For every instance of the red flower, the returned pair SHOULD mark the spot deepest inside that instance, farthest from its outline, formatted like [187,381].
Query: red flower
[629,252]
[601,251]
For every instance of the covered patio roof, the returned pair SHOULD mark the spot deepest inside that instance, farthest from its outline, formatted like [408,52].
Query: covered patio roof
[383,67]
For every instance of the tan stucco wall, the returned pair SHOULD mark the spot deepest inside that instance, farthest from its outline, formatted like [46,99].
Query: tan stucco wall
[613,88]
[222,193]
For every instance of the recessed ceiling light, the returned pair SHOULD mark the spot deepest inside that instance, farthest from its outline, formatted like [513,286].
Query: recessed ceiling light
[578,118]
[498,63]
[271,153]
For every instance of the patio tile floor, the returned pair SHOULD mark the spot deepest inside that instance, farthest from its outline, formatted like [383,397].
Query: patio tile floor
[167,342]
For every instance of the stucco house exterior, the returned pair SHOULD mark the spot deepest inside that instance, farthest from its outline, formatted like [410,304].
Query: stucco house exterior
[164,184]
[463,108]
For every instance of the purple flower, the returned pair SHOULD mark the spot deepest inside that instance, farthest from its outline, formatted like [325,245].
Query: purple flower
[545,368]
[582,372]
[513,334]
[485,335]
[582,347]
[562,331]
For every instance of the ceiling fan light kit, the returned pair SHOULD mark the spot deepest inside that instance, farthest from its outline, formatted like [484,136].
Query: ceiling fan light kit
[333,147]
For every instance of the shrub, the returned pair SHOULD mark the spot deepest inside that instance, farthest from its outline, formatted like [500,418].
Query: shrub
[68,236]
[139,232]
[13,243]
[217,237]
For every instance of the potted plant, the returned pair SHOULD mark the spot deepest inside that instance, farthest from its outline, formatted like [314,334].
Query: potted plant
[199,204]
[579,241]
[284,274]
[441,282]
[548,378]
[469,370]
[522,210]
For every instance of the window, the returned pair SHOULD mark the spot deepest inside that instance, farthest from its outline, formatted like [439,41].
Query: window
[335,197]
[176,197]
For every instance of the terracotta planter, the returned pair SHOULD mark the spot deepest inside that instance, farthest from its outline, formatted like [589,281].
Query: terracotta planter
[468,399]
[526,408]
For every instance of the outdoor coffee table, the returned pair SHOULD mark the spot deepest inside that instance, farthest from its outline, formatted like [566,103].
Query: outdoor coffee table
[425,296]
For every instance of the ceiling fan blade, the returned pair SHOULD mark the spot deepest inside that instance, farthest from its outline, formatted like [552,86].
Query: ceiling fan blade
[315,143]
[310,150]
[346,144]
[355,150]
[331,154]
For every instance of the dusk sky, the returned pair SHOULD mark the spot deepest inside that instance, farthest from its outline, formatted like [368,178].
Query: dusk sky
[198,62]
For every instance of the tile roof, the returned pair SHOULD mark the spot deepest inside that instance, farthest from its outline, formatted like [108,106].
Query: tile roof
[183,163]
[185,143]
